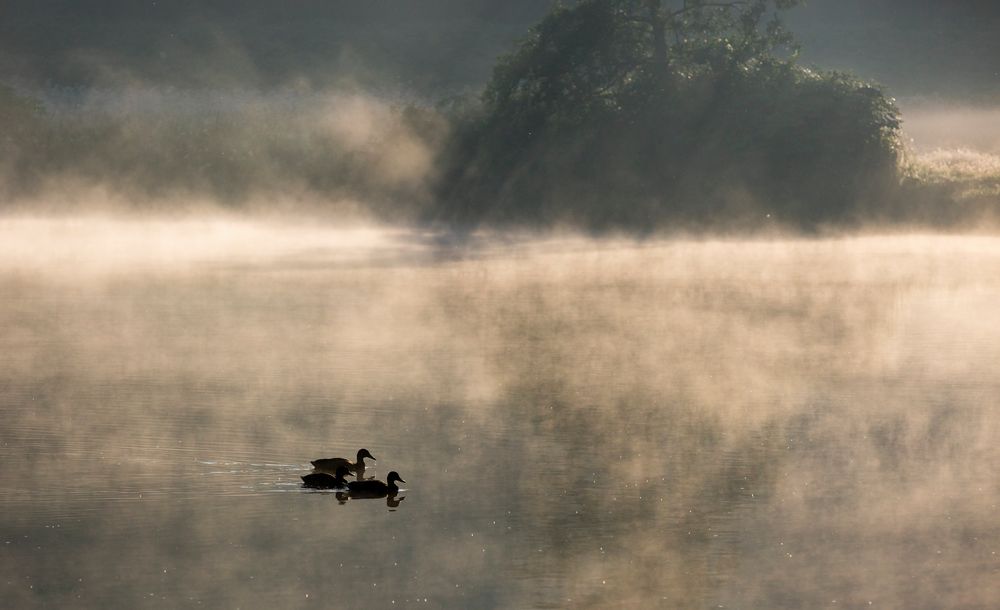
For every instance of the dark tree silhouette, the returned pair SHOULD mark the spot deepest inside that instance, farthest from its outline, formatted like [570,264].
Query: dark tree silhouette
[640,113]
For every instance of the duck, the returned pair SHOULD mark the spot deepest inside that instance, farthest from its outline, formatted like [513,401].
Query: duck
[375,489]
[325,480]
[332,464]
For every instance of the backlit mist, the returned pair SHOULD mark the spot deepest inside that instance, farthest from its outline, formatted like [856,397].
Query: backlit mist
[594,423]
[652,304]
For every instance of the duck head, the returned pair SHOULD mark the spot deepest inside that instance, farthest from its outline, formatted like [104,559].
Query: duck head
[364,453]
[393,477]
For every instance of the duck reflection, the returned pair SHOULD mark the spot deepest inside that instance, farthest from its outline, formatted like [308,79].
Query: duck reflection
[391,500]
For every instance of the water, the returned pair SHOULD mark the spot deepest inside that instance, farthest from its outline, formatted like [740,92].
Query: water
[738,424]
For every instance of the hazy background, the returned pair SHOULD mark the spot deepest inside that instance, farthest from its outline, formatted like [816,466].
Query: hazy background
[918,48]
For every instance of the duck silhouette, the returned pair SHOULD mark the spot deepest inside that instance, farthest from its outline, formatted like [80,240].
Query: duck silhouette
[375,489]
[325,480]
[332,464]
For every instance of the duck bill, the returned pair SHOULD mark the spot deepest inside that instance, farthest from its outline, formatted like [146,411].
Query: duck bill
[401,480]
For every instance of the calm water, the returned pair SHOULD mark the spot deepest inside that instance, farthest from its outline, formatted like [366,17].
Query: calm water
[783,424]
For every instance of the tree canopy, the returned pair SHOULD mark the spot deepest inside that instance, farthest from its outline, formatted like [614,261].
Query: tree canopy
[647,112]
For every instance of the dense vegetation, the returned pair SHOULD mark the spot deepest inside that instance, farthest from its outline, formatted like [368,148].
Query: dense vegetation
[639,113]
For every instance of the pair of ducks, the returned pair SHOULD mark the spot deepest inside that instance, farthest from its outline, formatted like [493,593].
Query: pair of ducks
[341,467]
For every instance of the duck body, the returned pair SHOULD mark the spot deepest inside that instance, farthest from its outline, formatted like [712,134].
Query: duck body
[375,489]
[334,464]
[325,480]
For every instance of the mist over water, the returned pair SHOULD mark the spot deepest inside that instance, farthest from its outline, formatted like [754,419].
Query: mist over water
[580,422]
[659,315]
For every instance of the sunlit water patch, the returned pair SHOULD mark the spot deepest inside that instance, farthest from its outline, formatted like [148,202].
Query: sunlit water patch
[581,423]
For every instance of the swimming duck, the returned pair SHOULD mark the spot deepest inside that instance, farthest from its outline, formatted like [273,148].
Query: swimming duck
[325,480]
[331,464]
[375,489]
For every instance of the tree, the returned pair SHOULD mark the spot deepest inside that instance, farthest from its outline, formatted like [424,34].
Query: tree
[638,112]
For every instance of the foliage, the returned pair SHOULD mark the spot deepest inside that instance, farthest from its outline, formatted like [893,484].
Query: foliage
[637,113]
[948,188]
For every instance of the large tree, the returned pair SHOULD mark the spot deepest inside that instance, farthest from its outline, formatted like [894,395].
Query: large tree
[637,112]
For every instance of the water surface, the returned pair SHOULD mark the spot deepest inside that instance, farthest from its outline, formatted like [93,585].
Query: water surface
[581,423]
